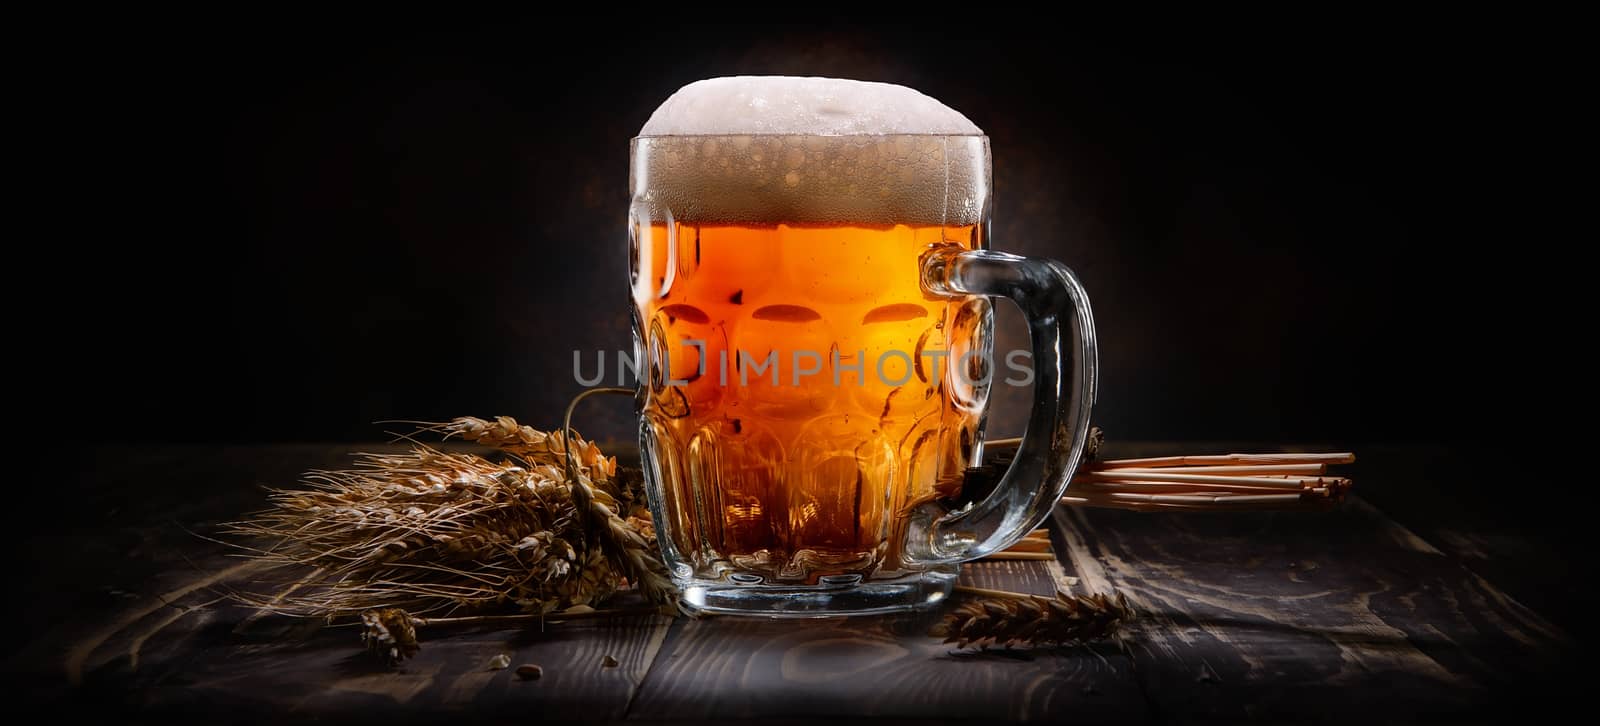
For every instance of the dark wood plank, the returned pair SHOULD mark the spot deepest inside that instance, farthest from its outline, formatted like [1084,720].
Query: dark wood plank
[879,667]
[1030,576]
[1457,500]
[181,653]
[165,646]
[883,667]
[1296,615]
[144,633]
[190,658]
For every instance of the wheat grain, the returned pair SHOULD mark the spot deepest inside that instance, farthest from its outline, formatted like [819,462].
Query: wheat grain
[1012,619]
[430,532]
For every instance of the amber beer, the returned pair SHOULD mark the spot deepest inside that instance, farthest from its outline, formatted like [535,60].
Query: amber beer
[810,281]
[802,385]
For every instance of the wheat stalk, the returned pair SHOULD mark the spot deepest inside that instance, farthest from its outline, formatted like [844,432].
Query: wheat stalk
[589,470]
[1009,618]
[428,531]
[437,533]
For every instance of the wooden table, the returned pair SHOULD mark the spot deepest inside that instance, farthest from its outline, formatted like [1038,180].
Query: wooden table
[1253,615]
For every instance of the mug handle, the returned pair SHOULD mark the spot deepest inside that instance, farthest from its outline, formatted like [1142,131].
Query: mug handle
[1062,325]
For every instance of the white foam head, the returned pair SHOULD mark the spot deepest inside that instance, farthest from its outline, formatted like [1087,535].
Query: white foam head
[795,105]
[780,150]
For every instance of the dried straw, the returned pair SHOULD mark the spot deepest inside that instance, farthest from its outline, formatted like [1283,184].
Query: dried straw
[438,533]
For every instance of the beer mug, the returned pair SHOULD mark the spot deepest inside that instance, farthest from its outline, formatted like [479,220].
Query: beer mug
[811,286]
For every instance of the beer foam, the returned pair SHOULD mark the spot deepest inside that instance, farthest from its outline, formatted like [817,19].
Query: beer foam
[811,106]
[779,150]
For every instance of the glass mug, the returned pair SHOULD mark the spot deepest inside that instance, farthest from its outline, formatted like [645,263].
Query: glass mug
[814,319]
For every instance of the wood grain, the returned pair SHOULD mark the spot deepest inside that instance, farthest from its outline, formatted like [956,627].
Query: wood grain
[171,649]
[1269,615]
[1278,616]
[195,661]
[1013,575]
[888,667]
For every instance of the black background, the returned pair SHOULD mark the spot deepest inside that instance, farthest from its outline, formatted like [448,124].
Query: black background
[1326,231]
[286,230]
